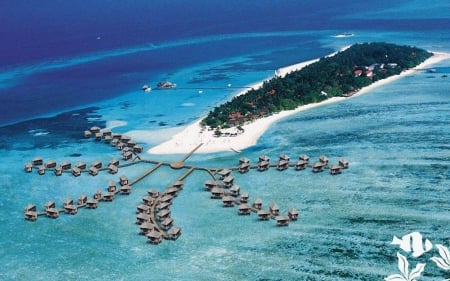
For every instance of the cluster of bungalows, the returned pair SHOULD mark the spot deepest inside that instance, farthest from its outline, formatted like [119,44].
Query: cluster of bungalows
[69,207]
[223,187]
[76,170]
[154,215]
[124,143]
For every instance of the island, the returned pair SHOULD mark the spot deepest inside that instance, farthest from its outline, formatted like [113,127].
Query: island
[340,75]
[237,124]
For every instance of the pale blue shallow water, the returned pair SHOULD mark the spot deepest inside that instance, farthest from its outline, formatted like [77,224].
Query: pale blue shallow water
[395,138]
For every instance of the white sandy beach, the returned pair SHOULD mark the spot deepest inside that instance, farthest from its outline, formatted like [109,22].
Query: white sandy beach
[189,138]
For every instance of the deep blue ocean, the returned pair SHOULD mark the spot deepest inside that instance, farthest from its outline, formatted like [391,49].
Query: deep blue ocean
[66,66]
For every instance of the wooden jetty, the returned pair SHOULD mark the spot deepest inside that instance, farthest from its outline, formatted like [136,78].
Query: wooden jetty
[153,214]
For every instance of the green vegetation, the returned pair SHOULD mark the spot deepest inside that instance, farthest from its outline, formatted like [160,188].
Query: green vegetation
[340,75]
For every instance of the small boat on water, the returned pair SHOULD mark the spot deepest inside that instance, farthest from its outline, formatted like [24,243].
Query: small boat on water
[344,34]
[146,88]
[166,85]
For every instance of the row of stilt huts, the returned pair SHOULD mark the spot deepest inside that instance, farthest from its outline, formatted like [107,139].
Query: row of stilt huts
[153,214]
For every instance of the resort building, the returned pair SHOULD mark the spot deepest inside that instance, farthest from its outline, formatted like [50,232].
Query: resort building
[282,165]
[224,173]
[97,164]
[28,167]
[82,200]
[174,233]
[125,190]
[228,201]
[108,196]
[58,171]
[37,161]
[244,197]
[167,223]
[123,180]
[98,195]
[323,159]
[148,200]
[209,184]
[76,172]
[301,165]
[318,167]
[92,204]
[263,165]
[235,190]
[335,169]
[178,184]
[93,171]
[112,169]
[142,218]
[141,208]
[293,214]
[257,203]
[304,157]
[50,164]
[41,170]
[274,209]
[217,193]
[264,215]
[282,220]
[163,214]
[343,163]
[243,167]
[154,237]
[244,209]
[81,165]
[146,228]
[153,193]
[66,165]
[228,181]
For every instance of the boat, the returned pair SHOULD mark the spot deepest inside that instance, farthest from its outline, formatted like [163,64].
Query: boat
[146,88]
[166,85]
[344,34]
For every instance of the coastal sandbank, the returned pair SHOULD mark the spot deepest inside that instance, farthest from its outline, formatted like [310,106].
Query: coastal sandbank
[190,137]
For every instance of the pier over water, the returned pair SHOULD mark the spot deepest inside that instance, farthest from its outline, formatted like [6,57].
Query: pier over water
[153,215]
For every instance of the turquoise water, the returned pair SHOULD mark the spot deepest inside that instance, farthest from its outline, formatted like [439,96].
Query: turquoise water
[395,138]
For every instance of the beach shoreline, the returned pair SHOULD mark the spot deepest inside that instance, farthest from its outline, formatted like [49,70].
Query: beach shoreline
[191,136]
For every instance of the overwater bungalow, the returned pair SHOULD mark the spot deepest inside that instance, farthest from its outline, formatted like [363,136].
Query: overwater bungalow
[112,186]
[141,208]
[178,184]
[28,167]
[323,159]
[98,136]
[343,163]
[31,215]
[58,171]
[76,172]
[98,195]
[257,203]
[293,214]
[67,202]
[66,165]
[228,181]
[166,198]
[282,220]
[163,214]
[115,142]
[120,145]
[263,165]
[228,201]
[52,213]
[217,193]
[154,237]
[123,180]
[301,165]
[94,129]
[263,158]
[127,155]
[243,168]
[141,218]
[153,193]
[162,206]
[30,208]
[244,197]
[82,200]
[108,139]
[87,134]
[244,209]
[37,161]
[108,196]
[146,228]
[116,136]
[264,215]
[224,173]
[93,171]
[318,167]
[125,139]
[244,160]
[92,204]
[210,184]
[304,157]
[284,157]
[106,132]
[174,233]
[167,223]
[131,143]
[50,204]
[114,162]
[41,170]
[148,200]
[172,191]
[81,165]
[50,164]
[282,165]
[235,190]
[125,190]
[335,169]
[138,149]
[70,209]
[112,169]
[97,164]
[274,209]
